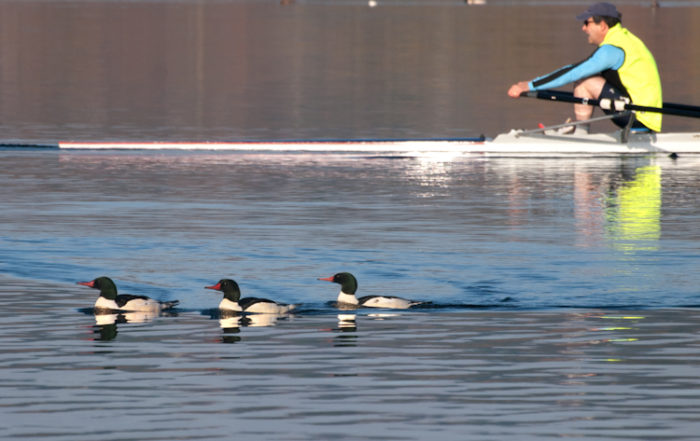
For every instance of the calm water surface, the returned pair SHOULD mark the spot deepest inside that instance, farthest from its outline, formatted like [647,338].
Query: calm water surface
[564,292]
[564,297]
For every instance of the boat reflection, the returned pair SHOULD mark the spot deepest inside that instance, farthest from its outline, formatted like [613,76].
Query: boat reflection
[616,201]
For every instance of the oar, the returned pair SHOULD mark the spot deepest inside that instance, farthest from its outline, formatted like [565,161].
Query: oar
[668,108]
[563,95]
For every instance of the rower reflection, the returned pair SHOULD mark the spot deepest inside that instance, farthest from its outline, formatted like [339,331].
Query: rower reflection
[633,211]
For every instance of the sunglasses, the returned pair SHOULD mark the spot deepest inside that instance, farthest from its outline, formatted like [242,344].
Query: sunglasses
[588,21]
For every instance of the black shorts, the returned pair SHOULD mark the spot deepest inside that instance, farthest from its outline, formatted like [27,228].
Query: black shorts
[611,92]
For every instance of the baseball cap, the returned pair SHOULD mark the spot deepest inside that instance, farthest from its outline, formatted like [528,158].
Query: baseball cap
[602,9]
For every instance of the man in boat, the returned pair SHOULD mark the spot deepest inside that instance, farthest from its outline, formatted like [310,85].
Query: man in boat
[620,68]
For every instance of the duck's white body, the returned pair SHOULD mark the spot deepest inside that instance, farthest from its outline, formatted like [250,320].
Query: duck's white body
[376,301]
[348,299]
[228,305]
[260,306]
[136,304]
[267,307]
[388,302]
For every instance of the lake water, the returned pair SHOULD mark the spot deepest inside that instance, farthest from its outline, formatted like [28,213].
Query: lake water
[563,292]
[564,297]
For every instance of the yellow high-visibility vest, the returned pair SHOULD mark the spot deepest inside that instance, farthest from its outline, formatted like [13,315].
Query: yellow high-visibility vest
[638,74]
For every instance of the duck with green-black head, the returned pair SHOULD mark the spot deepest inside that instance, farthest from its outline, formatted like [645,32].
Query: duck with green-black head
[109,300]
[232,301]
[348,287]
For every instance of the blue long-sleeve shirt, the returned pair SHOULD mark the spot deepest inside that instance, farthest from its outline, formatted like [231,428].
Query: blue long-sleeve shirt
[605,57]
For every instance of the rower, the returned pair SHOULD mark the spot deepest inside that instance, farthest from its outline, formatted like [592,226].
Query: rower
[621,68]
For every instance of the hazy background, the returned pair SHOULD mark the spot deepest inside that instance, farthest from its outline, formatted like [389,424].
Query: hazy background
[223,70]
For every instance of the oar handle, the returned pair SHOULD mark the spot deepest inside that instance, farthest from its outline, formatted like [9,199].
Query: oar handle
[618,105]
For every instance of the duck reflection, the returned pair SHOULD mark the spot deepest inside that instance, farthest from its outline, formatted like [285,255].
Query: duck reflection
[105,328]
[231,327]
[106,322]
[347,326]
[347,329]
[250,320]
[253,320]
[231,322]
[383,315]
[261,320]
[347,322]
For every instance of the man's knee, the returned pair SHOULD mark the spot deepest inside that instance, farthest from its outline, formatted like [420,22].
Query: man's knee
[589,87]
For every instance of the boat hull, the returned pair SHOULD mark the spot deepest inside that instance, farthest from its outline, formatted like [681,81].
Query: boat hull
[513,143]
[596,144]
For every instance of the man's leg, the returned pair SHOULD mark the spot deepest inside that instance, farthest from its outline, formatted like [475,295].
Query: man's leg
[591,88]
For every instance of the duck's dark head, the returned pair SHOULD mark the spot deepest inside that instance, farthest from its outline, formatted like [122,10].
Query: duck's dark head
[229,288]
[348,282]
[107,288]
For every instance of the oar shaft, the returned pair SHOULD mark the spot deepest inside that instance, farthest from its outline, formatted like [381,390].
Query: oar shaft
[667,111]
[666,105]
[668,108]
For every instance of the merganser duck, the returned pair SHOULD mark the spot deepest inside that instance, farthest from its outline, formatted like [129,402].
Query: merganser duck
[110,301]
[232,301]
[348,287]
